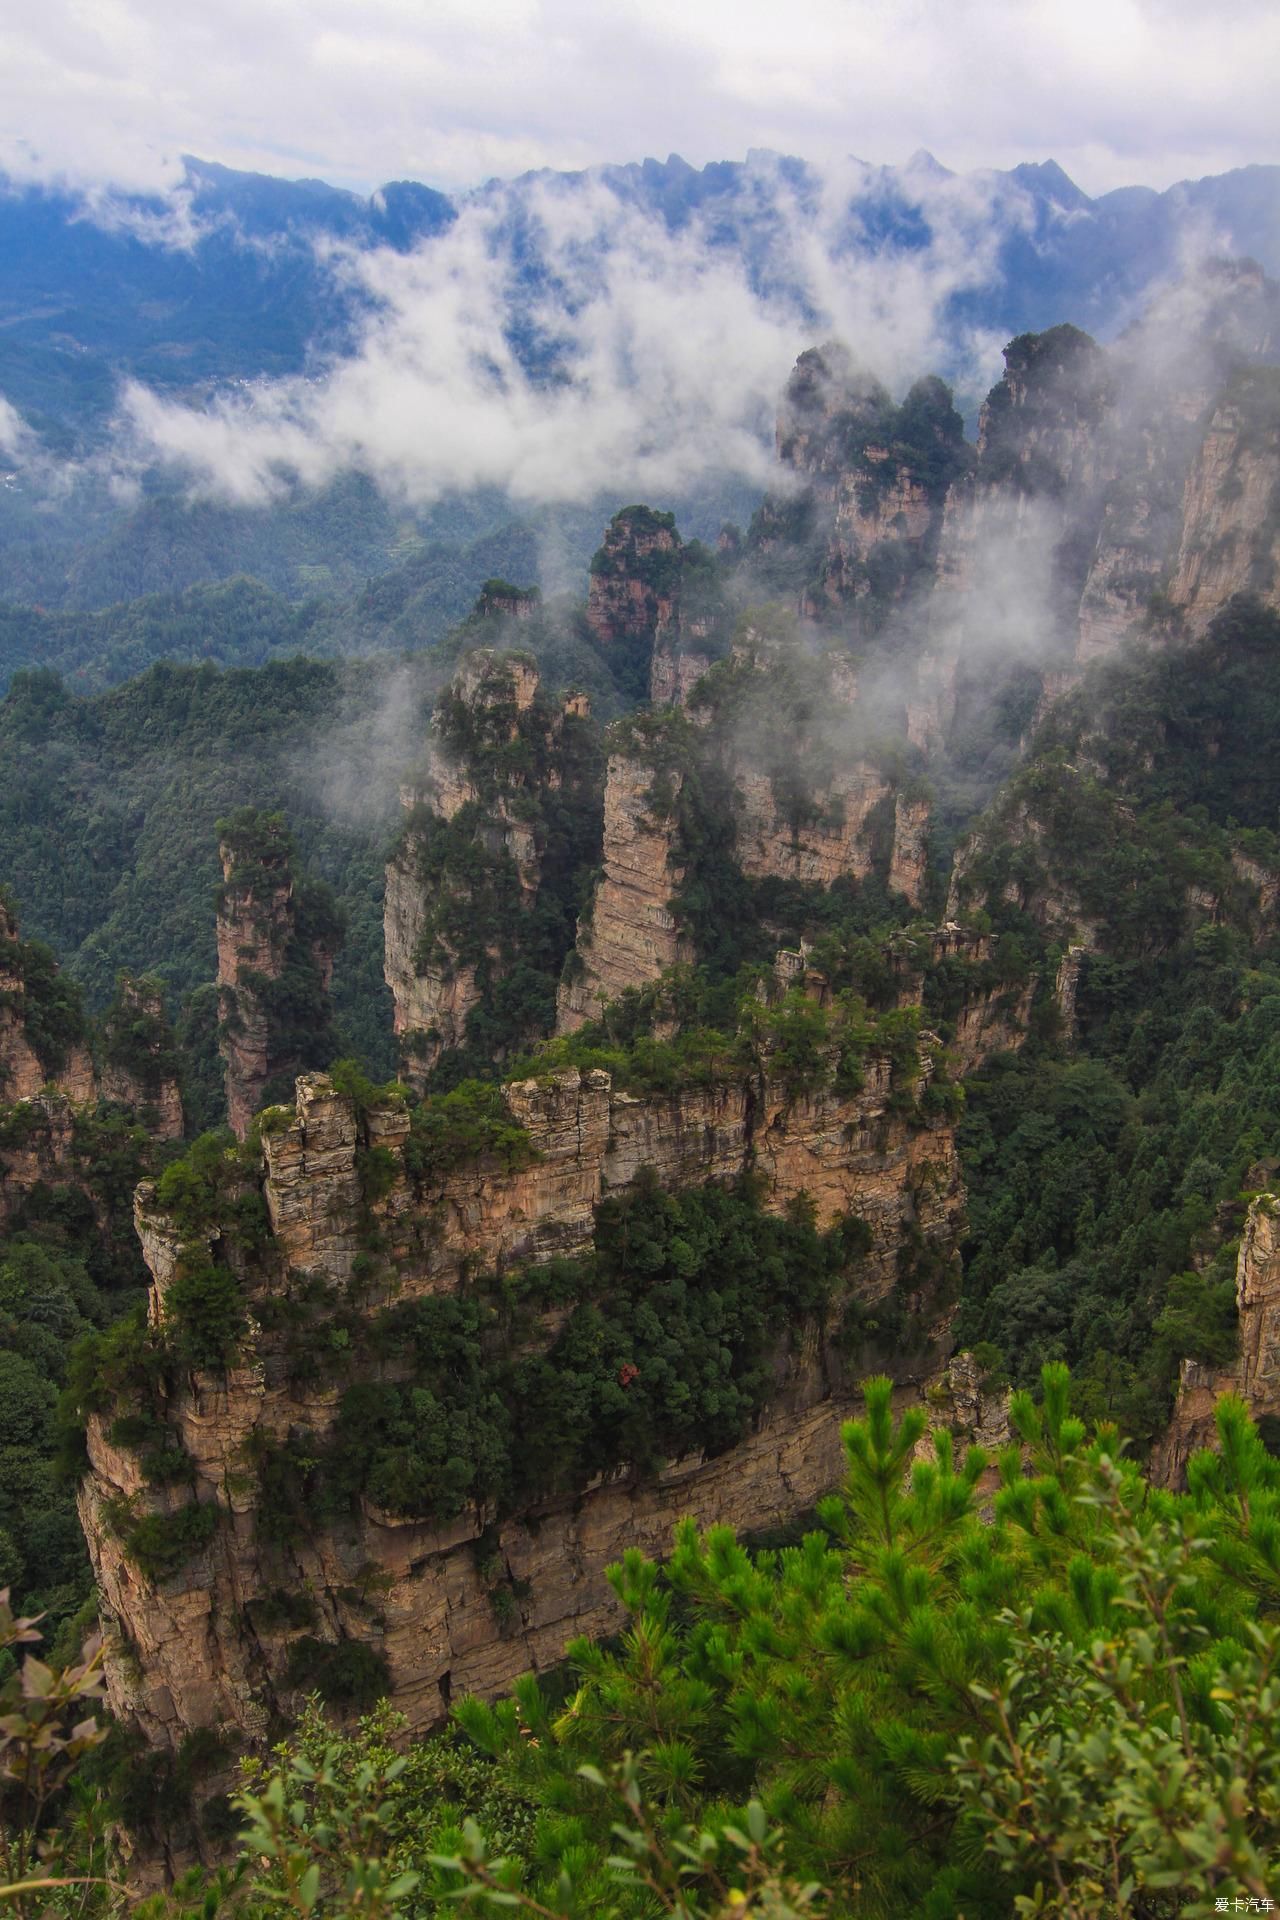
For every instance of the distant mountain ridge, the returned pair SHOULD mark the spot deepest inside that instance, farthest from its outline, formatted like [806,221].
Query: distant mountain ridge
[226,280]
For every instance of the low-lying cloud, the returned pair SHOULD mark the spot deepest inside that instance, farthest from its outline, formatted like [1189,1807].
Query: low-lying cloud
[629,359]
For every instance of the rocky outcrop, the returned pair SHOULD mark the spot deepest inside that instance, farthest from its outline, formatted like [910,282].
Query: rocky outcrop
[1139,531]
[875,479]
[834,837]
[1066,988]
[978,1409]
[674,672]
[1017,530]
[269,927]
[255,934]
[991,1022]
[1190,514]
[630,935]
[432,998]
[1231,509]
[500,600]
[139,1064]
[635,579]
[38,1150]
[1097,505]
[202,1648]
[774,738]
[1255,1376]
[36,1052]
[909,860]
[425,1595]
[505,771]
[1263,884]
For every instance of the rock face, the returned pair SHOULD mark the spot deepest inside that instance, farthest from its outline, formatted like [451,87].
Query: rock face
[500,600]
[635,579]
[990,1023]
[832,840]
[206,1648]
[507,776]
[804,804]
[631,934]
[268,926]
[875,479]
[909,861]
[1017,529]
[674,673]
[655,607]
[1231,508]
[1112,493]
[139,1060]
[30,1057]
[41,1154]
[1255,1376]
[432,1000]
[1193,424]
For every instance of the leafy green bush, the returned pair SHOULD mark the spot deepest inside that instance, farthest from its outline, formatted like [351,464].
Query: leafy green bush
[205,1304]
[468,1123]
[345,1673]
[161,1544]
[669,1347]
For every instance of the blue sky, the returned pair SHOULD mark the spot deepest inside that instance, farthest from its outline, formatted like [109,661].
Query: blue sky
[455,91]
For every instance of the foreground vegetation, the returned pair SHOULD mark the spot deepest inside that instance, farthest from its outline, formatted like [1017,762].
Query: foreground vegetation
[1054,1695]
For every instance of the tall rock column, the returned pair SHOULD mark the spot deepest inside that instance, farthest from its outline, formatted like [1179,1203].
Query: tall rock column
[1231,505]
[630,935]
[502,820]
[42,1029]
[1255,1375]
[140,1059]
[276,943]
[634,595]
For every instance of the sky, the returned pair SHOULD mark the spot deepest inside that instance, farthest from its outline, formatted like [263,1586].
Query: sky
[454,92]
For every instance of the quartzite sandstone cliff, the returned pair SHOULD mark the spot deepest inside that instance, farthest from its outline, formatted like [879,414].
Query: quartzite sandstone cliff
[508,775]
[199,1651]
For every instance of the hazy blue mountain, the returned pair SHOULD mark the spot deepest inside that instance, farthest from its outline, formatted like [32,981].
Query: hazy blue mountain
[227,281]
[224,282]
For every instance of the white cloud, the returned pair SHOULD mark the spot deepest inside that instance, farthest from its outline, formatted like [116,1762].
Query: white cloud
[16,438]
[1117,90]
[674,362]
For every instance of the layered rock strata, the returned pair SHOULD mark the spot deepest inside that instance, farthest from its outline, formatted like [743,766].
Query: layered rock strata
[630,936]
[199,1650]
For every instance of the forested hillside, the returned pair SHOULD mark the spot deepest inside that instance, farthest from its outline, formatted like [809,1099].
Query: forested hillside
[591,1201]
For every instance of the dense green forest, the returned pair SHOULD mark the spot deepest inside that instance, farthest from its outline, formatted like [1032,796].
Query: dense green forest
[99,594]
[1104,1179]
[1029,1686]
[109,810]
[69,1265]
